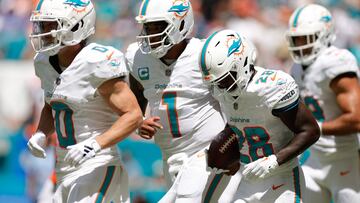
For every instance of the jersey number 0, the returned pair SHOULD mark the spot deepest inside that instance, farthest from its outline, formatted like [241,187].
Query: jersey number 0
[63,111]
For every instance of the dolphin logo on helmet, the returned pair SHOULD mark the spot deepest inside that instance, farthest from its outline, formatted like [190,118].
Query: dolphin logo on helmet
[234,48]
[77,3]
[180,8]
[325,19]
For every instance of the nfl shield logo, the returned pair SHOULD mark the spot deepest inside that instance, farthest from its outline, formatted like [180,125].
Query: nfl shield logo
[236,106]
[168,72]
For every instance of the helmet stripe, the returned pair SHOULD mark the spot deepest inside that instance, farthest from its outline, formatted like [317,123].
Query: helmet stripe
[144,7]
[203,52]
[39,5]
[297,16]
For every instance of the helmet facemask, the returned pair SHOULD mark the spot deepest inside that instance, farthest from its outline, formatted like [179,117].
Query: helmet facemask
[305,48]
[233,82]
[155,43]
[46,35]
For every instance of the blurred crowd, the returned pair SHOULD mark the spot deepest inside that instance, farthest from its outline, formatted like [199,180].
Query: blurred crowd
[263,21]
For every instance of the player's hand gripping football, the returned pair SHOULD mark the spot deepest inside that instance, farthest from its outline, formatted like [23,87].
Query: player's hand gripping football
[261,168]
[36,145]
[223,155]
[149,127]
[81,152]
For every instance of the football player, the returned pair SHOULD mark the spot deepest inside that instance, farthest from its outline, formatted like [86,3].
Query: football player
[87,103]
[329,84]
[263,108]
[183,117]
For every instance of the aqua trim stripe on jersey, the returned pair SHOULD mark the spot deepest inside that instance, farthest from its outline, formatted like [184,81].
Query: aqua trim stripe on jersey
[144,7]
[286,108]
[214,183]
[304,157]
[105,185]
[297,185]
[297,16]
[203,52]
[39,5]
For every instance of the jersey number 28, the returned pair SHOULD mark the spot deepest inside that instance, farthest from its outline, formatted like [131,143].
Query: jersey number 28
[257,139]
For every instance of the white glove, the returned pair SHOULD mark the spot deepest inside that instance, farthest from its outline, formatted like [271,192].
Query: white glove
[81,152]
[36,145]
[176,162]
[261,168]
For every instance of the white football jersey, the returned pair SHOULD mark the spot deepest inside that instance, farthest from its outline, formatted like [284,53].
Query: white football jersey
[79,112]
[314,83]
[251,116]
[177,94]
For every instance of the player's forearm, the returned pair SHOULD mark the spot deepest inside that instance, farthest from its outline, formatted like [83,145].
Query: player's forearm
[306,132]
[343,125]
[46,123]
[297,145]
[121,129]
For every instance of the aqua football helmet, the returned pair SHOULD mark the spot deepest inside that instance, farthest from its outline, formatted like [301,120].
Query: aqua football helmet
[226,60]
[59,23]
[311,30]
[177,18]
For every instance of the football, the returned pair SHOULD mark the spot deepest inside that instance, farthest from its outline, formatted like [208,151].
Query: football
[224,152]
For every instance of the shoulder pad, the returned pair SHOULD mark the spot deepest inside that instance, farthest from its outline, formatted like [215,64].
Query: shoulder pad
[96,53]
[338,61]
[104,63]
[276,87]
[131,52]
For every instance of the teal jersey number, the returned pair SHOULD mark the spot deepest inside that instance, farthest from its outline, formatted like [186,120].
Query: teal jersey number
[66,138]
[315,108]
[264,76]
[257,139]
[169,99]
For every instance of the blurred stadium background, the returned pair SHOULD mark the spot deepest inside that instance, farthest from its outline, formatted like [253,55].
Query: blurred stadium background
[263,21]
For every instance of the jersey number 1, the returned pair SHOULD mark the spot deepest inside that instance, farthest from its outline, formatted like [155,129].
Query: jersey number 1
[169,99]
